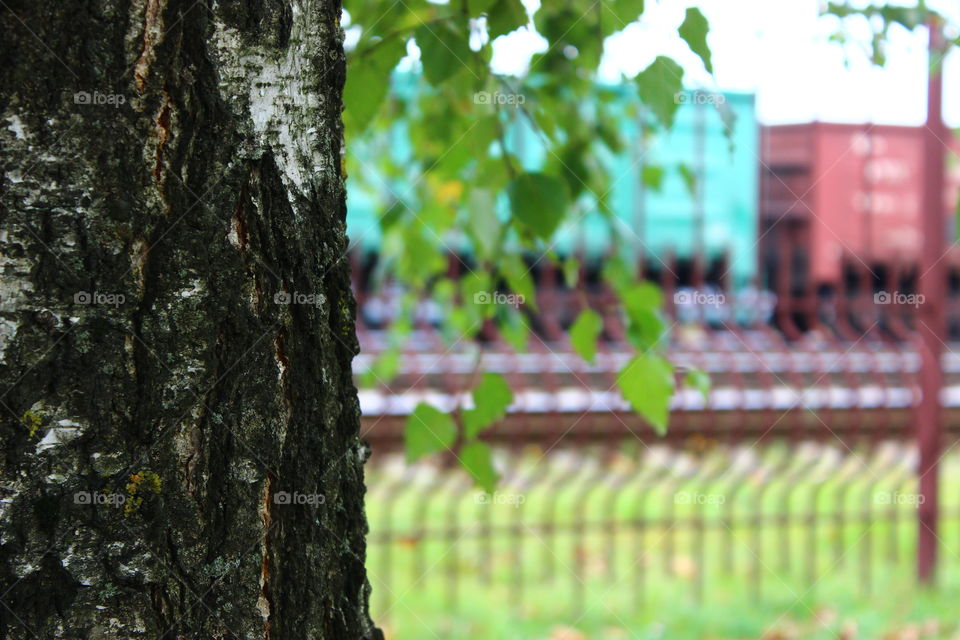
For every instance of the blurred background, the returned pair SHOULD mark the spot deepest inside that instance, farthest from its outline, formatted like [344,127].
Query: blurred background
[802,239]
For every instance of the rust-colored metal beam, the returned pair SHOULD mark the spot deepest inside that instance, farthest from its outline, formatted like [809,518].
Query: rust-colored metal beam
[932,325]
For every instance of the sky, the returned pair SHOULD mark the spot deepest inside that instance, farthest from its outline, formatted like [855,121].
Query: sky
[778,49]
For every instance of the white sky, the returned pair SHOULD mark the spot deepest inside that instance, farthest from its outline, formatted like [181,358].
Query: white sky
[779,50]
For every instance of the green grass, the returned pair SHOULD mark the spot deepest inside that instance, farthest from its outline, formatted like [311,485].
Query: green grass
[670,613]
[624,560]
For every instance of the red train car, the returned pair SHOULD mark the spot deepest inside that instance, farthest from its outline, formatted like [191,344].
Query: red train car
[841,198]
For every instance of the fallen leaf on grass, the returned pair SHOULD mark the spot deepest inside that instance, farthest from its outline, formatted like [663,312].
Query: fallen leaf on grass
[566,633]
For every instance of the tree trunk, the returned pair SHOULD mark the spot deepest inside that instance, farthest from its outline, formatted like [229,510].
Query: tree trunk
[180,427]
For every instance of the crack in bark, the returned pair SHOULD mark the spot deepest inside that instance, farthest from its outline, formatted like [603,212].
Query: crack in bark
[151,36]
[163,135]
[238,224]
[265,602]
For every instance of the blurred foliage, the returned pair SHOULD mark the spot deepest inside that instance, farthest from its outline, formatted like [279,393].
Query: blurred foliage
[881,17]
[463,190]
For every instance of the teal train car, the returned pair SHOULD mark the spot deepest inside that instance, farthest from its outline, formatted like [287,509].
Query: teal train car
[703,202]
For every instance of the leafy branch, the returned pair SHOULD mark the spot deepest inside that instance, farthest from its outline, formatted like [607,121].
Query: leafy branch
[460,126]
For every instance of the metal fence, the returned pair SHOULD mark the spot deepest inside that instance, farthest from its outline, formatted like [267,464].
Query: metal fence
[800,467]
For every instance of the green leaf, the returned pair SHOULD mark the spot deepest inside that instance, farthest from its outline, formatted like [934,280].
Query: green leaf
[584,333]
[482,223]
[460,325]
[393,214]
[519,279]
[642,295]
[369,81]
[652,177]
[611,135]
[477,292]
[444,292]
[647,331]
[444,51]
[617,14]
[878,55]
[572,166]
[689,178]
[729,118]
[477,459]
[694,31]
[515,330]
[539,201]
[619,274]
[699,380]
[490,401]
[427,431]
[647,384]
[380,18]
[481,6]
[565,25]
[642,303]
[418,256]
[659,86]
[383,369]
[505,16]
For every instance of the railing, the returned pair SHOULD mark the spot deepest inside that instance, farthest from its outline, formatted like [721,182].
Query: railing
[799,469]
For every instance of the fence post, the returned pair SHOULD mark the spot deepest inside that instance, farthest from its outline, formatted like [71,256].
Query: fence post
[932,326]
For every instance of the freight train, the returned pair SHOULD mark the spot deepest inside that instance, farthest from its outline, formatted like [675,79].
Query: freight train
[809,212]
[683,202]
[841,216]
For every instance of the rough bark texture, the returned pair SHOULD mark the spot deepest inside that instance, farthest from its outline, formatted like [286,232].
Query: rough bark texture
[151,238]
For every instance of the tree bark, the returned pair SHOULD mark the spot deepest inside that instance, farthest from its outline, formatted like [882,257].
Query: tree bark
[180,427]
